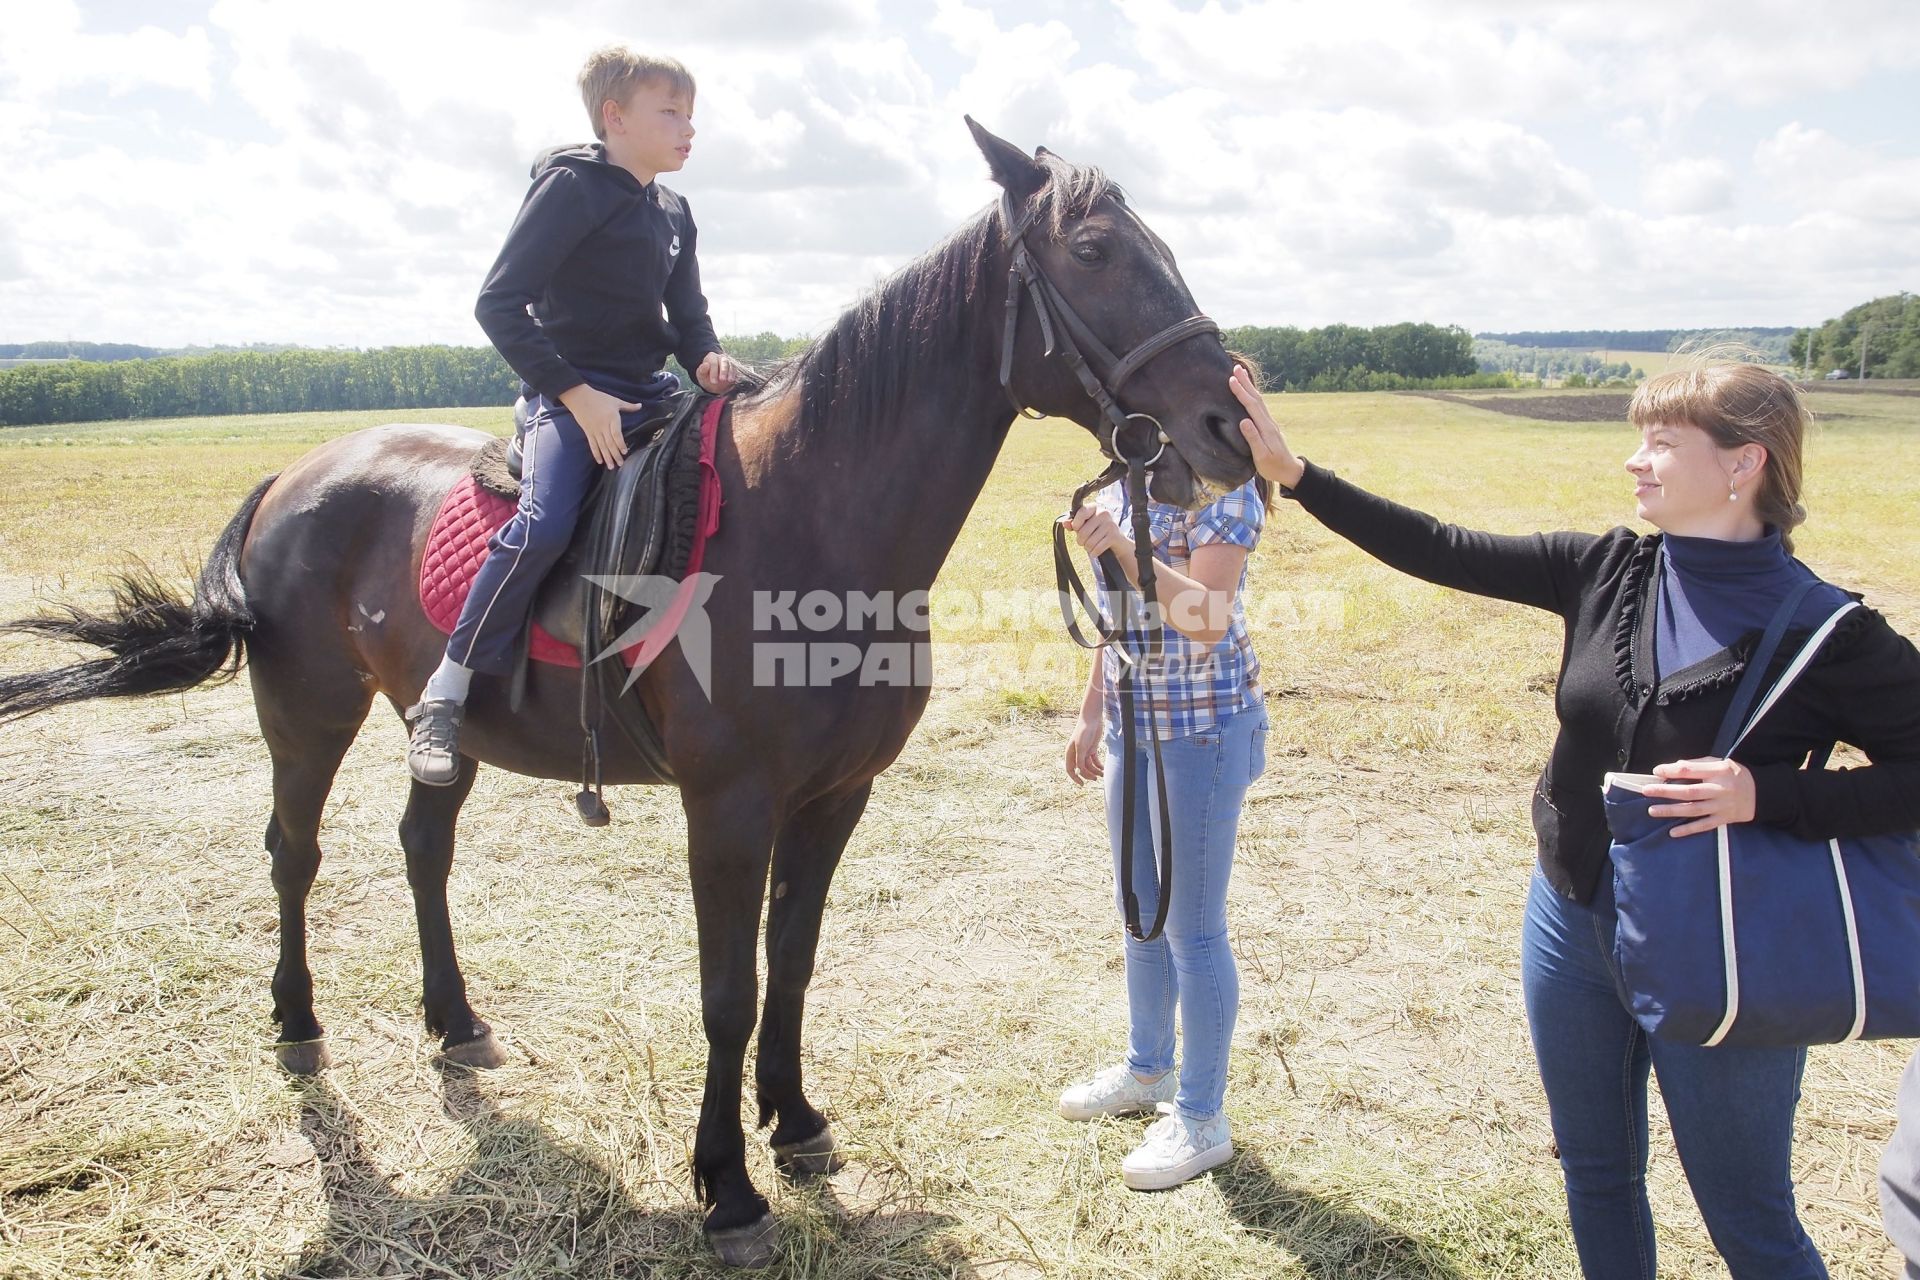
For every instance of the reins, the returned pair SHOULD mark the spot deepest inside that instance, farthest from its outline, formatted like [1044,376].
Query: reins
[1065,334]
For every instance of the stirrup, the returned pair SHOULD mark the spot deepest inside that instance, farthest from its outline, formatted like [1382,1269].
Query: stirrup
[591,802]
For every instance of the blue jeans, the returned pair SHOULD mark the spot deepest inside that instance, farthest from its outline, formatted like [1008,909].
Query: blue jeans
[1189,966]
[1731,1109]
[557,471]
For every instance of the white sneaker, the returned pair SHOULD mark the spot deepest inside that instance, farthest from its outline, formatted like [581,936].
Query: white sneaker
[1175,1150]
[1117,1092]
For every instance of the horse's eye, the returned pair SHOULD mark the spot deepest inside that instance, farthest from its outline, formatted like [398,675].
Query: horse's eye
[1088,252]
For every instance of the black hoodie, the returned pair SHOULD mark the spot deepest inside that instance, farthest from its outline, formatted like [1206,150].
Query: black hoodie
[607,267]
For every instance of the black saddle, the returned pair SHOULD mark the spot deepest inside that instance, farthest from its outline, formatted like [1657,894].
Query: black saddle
[638,519]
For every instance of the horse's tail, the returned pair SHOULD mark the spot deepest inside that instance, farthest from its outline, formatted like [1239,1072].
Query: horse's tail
[156,641]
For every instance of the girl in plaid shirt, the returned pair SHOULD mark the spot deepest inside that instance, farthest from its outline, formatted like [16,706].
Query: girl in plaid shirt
[1204,692]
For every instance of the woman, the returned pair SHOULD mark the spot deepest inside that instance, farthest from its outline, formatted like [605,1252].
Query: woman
[1204,693]
[1658,628]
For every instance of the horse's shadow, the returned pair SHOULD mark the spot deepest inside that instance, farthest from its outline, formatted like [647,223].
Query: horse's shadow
[1332,1241]
[530,1203]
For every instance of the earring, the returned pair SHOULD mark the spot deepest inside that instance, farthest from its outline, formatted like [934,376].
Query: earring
[1733,494]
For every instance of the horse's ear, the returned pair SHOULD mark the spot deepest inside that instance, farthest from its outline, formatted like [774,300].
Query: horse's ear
[1011,167]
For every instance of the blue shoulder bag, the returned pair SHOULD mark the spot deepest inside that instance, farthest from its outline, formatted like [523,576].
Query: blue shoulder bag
[1748,935]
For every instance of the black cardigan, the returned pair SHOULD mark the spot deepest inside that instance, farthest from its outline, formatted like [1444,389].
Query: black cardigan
[1615,714]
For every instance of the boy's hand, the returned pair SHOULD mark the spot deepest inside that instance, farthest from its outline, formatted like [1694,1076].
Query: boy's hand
[1271,456]
[718,372]
[598,415]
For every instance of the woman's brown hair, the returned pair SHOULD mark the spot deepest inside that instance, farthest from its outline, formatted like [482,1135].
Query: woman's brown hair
[1736,404]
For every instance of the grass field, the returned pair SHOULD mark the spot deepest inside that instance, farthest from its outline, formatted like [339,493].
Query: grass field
[1382,1093]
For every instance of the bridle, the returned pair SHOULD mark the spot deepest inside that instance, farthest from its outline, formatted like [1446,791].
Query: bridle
[1065,334]
[1073,341]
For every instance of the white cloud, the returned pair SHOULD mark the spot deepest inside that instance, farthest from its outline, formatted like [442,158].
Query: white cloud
[1764,52]
[1688,185]
[1393,55]
[1796,152]
[344,174]
[1825,177]
[46,50]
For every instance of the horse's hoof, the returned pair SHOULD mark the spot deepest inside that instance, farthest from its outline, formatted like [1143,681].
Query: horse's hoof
[483,1052]
[303,1057]
[815,1157]
[755,1245]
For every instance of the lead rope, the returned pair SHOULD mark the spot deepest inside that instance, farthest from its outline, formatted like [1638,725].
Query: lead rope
[1065,340]
[1152,647]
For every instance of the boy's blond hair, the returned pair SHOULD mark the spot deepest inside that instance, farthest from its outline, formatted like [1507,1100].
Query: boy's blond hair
[614,71]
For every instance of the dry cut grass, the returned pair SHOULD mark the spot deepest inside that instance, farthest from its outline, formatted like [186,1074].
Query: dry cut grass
[1381,1089]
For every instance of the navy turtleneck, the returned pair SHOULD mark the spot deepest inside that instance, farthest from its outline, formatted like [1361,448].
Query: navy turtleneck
[1713,592]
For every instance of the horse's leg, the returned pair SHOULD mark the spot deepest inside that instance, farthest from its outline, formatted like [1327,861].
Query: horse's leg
[426,833]
[306,754]
[729,844]
[804,858]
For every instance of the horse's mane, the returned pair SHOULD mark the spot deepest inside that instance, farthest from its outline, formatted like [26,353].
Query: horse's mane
[863,365]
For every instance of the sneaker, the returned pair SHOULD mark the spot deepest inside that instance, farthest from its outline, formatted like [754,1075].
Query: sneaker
[1175,1150]
[432,757]
[1116,1092]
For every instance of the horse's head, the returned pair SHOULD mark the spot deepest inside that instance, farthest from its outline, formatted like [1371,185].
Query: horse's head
[1099,281]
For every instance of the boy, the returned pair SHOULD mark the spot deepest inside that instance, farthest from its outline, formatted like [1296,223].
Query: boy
[595,287]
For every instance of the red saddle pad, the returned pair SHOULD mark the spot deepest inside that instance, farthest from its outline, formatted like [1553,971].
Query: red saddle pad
[457,546]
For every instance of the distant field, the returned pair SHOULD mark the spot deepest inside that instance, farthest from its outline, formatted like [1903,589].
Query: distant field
[1382,1092]
[1651,362]
[1560,404]
[1648,362]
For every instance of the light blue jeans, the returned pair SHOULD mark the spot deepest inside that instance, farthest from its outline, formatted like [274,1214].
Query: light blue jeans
[1189,966]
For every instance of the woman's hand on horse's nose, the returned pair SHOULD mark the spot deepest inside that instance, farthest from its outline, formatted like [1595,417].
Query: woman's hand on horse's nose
[1271,455]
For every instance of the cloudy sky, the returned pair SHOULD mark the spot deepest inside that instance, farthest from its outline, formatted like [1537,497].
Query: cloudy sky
[178,171]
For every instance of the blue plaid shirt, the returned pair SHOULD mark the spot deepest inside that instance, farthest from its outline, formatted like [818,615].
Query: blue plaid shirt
[1191,686]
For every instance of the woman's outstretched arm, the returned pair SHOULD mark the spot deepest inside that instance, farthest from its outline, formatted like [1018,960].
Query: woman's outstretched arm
[1538,569]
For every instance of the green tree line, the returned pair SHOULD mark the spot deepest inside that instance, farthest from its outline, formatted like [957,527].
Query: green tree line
[1344,357]
[95,381]
[1887,329]
[108,385]
[253,382]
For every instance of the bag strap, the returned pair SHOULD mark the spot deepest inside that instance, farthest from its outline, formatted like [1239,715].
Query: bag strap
[1799,664]
[1738,724]
[1735,724]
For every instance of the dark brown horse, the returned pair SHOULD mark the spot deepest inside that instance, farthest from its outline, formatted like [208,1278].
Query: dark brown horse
[851,470]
